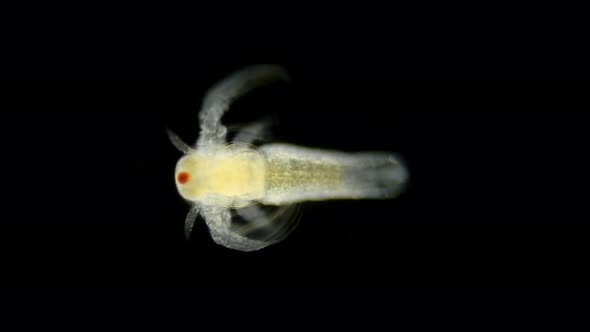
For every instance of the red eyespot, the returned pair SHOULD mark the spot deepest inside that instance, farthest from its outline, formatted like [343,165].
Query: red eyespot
[183,177]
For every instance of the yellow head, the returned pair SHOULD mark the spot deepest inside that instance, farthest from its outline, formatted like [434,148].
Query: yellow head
[232,176]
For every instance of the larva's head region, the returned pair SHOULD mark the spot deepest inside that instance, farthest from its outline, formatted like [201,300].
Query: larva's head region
[226,176]
[185,177]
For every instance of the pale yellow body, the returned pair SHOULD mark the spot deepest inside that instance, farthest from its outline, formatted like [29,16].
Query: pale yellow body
[233,178]
[278,174]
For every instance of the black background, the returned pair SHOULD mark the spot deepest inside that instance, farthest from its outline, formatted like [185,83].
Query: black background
[496,197]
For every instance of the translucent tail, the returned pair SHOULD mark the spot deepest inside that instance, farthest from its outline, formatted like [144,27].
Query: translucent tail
[296,174]
[375,175]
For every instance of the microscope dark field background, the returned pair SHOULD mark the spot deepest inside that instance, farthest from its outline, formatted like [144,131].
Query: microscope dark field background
[496,196]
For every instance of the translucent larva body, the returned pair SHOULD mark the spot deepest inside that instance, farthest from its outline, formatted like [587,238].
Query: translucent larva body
[217,177]
[284,174]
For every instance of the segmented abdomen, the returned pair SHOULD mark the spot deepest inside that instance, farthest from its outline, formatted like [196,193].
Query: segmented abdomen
[296,174]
